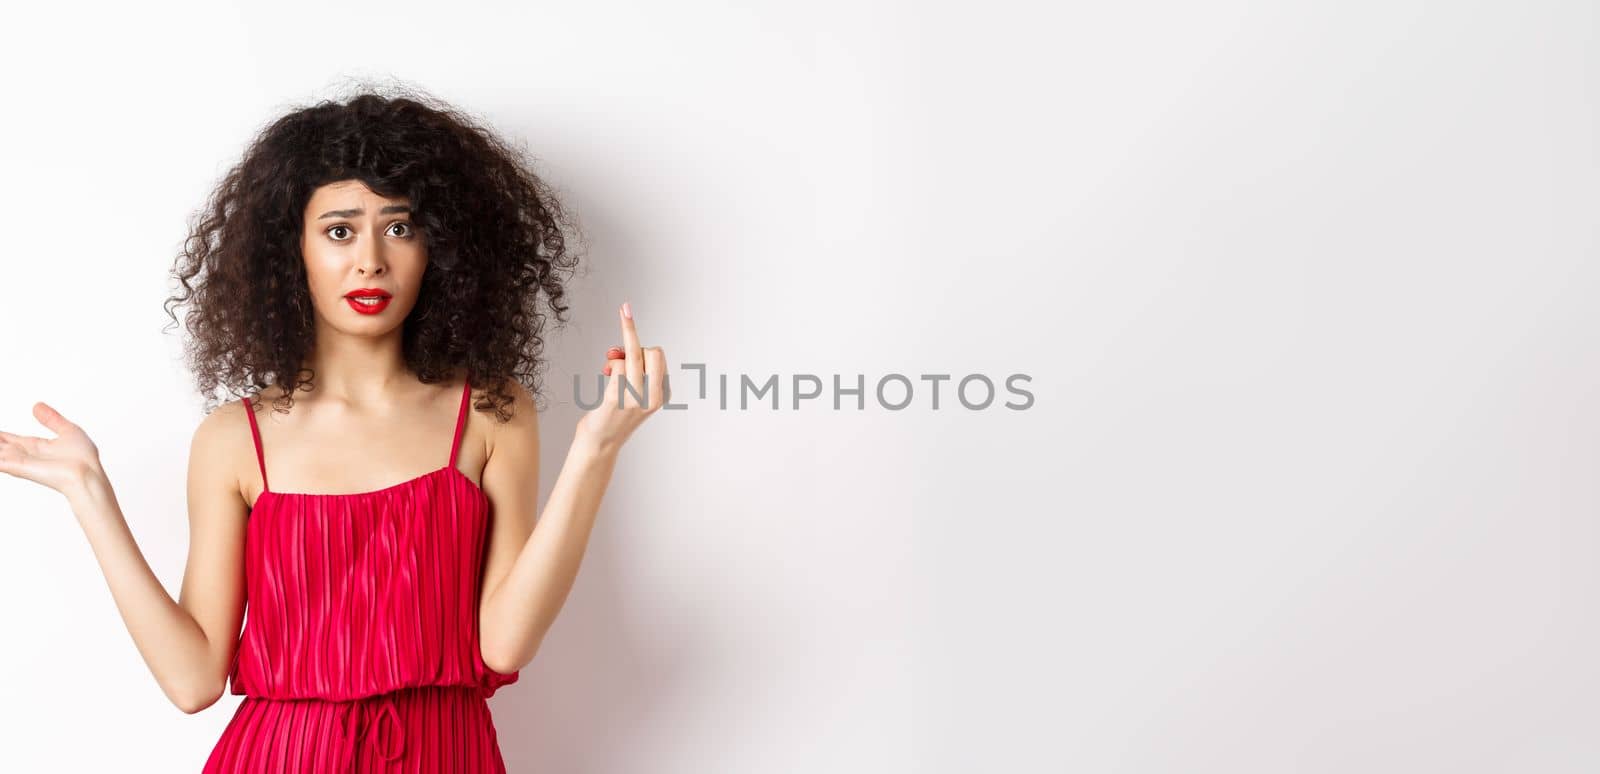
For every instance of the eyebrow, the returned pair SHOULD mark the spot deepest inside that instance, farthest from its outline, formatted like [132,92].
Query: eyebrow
[359,211]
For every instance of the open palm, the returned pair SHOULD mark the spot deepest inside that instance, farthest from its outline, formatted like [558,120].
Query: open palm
[58,463]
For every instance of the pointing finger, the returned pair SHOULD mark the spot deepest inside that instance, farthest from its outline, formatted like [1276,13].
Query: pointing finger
[630,347]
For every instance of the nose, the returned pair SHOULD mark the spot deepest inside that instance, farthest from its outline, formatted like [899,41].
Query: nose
[370,261]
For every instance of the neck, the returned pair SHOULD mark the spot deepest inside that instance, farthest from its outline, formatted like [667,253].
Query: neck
[364,370]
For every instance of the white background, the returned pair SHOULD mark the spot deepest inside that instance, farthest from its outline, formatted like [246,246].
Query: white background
[1306,292]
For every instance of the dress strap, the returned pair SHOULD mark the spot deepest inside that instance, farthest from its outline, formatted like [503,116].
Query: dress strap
[255,432]
[461,420]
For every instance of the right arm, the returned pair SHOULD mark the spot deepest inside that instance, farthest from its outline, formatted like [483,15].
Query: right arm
[188,644]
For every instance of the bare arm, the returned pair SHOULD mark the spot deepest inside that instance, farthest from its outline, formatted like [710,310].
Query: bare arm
[187,644]
[530,570]
[527,577]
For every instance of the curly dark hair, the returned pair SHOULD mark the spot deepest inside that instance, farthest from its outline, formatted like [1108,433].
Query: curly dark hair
[495,233]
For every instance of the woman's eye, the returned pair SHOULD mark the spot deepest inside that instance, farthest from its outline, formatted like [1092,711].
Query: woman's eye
[337,232]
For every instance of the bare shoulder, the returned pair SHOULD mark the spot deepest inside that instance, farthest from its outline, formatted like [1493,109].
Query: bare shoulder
[524,422]
[221,446]
[215,432]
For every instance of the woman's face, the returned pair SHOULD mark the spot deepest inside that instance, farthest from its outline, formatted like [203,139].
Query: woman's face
[357,243]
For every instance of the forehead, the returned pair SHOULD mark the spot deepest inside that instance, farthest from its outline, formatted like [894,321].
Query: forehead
[347,194]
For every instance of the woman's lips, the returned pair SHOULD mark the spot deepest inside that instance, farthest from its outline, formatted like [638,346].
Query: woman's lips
[368,308]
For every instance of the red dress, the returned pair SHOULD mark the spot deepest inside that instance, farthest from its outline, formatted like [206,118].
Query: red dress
[360,643]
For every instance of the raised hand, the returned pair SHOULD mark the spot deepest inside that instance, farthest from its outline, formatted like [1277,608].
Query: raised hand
[60,463]
[610,424]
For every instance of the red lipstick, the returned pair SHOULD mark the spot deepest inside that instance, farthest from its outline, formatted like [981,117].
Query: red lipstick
[368,300]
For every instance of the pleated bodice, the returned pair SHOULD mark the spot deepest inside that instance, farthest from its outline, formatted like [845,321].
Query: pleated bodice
[352,595]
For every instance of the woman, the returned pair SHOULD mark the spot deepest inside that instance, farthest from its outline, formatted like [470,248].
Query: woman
[370,272]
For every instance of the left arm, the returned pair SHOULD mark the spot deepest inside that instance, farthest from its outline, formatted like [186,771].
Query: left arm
[527,576]
[530,570]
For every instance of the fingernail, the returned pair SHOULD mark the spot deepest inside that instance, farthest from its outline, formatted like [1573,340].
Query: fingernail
[627,311]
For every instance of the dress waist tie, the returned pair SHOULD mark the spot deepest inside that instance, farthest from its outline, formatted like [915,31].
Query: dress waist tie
[358,719]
